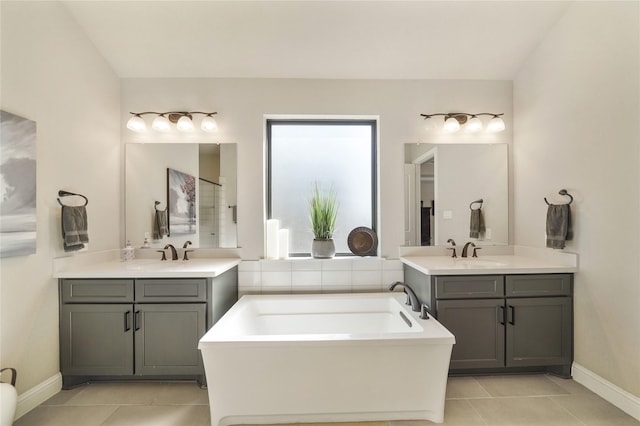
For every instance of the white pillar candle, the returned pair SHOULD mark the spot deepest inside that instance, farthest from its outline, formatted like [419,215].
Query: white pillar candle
[283,243]
[272,238]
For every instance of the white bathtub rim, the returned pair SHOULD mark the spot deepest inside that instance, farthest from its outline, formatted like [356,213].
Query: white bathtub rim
[437,333]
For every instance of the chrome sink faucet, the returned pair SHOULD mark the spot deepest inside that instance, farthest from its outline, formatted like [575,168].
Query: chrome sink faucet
[453,247]
[174,253]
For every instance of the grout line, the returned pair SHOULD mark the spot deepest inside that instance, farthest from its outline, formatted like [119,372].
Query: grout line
[570,413]
[475,410]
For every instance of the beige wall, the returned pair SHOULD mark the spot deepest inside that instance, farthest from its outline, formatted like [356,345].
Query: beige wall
[576,127]
[243,103]
[53,75]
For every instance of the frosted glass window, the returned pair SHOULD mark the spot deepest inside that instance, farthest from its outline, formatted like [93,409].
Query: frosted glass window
[337,155]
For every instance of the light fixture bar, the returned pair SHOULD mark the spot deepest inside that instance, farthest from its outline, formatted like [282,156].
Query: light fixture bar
[161,122]
[454,121]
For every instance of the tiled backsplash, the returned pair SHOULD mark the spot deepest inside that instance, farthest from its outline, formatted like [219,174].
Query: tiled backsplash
[314,275]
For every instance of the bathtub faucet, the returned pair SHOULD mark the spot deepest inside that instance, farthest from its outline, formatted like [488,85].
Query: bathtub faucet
[412,299]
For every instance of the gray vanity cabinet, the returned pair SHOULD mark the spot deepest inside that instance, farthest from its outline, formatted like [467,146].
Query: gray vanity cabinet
[539,320]
[96,339]
[471,308]
[479,334]
[502,323]
[167,338]
[119,329]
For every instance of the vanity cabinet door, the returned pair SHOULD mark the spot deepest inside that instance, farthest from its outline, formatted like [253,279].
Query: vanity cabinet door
[539,331]
[479,329]
[96,339]
[167,338]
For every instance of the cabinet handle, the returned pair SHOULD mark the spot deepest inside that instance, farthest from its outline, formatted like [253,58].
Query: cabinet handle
[136,321]
[512,312]
[501,315]
[127,326]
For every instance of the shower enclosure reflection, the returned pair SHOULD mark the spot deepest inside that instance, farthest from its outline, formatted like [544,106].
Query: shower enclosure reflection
[213,166]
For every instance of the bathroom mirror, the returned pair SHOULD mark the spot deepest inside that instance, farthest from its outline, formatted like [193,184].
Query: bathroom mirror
[440,184]
[214,168]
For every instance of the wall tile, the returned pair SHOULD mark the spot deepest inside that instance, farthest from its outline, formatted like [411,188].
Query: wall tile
[249,265]
[339,278]
[336,288]
[369,279]
[390,277]
[275,265]
[392,265]
[249,279]
[276,279]
[307,264]
[360,264]
[306,281]
[338,264]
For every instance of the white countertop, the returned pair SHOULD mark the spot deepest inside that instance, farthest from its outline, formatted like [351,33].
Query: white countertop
[149,268]
[488,265]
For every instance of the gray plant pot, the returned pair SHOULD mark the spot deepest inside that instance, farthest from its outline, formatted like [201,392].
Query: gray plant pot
[323,249]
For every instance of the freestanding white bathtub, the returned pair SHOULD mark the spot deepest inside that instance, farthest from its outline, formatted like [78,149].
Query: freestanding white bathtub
[325,358]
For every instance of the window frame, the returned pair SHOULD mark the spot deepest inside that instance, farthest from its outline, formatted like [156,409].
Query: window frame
[373,123]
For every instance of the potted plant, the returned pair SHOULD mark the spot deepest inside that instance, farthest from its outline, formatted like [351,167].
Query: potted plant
[323,209]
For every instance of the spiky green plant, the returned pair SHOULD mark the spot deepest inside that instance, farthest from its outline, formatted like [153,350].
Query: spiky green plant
[323,210]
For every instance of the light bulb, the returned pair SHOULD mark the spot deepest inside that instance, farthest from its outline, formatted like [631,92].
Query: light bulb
[429,124]
[495,125]
[184,124]
[161,124]
[209,124]
[473,125]
[136,124]
[451,125]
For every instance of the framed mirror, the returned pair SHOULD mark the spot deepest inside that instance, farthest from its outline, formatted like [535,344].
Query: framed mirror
[441,183]
[209,203]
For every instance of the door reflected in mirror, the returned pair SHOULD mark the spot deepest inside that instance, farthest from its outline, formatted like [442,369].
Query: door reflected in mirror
[214,168]
[440,183]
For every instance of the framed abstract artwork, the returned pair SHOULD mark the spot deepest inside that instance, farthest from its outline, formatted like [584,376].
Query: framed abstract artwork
[17,185]
[181,193]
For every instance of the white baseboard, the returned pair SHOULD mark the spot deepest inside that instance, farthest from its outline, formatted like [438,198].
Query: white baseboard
[617,396]
[38,394]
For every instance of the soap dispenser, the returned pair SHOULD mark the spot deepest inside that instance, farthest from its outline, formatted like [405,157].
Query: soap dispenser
[127,252]
[146,243]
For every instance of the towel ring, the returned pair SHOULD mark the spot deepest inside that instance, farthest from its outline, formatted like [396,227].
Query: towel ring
[561,192]
[476,201]
[62,193]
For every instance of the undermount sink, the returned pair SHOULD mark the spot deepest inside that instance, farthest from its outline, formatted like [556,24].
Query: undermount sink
[480,263]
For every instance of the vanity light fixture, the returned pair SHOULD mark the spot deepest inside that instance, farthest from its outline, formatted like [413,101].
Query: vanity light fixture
[161,124]
[136,124]
[454,121]
[185,124]
[183,121]
[451,124]
[209,124]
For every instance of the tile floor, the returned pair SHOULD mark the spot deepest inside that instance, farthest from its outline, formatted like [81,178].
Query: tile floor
[487,400]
